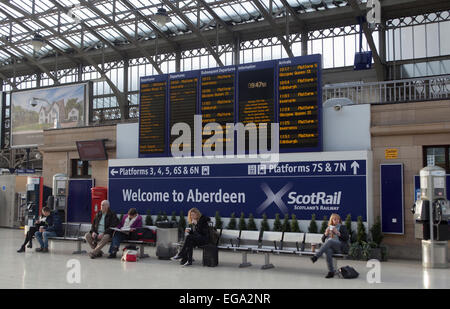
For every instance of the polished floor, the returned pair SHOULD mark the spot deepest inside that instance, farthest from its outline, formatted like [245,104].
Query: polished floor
[59,269]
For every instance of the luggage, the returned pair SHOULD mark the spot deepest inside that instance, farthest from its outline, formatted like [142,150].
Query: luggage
[348,272]
[210,255]
[144,234]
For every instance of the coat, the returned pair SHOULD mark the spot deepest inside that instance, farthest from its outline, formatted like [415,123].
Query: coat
[53,223]
[111,221]
[343,238]
[137,223]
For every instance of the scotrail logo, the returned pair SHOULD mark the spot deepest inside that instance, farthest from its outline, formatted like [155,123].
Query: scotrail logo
[313,201]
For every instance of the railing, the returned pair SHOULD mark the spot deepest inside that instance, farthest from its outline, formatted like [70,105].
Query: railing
[397,91]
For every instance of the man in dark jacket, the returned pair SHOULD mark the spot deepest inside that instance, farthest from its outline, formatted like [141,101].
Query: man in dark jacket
[101,230]
[51,228]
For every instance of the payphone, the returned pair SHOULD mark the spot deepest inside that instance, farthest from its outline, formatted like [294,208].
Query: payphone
[431,215]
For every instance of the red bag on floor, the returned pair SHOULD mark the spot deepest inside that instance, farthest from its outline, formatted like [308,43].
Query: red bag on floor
[129,255]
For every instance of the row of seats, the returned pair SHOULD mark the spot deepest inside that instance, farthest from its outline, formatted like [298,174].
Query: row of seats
[269,242]
[76,232]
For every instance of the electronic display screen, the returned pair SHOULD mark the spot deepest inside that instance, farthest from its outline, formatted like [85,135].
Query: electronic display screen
[217,106]
[152,124]
[91,150]
[256,100]
[298,106]
[183,102]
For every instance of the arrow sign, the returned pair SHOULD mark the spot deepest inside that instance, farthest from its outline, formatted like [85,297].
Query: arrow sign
[113,172]
[355,167]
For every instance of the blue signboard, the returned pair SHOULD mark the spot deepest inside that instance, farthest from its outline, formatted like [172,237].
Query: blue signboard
[392,206]
[300,188]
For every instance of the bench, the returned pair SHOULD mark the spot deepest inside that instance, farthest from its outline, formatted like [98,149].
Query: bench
[74,232]
[269,242]
[77,231]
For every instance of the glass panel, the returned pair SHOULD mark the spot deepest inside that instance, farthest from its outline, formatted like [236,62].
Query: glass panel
[439,155]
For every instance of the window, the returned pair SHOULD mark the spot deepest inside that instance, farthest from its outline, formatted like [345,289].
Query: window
[81,169]
[441,156]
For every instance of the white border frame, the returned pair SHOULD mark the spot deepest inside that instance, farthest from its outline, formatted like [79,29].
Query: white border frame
[403,200]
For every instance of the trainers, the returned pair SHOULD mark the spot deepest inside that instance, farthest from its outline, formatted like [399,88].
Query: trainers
[188,263]
[183,261]
[330,275]
[314,259]
[176,257]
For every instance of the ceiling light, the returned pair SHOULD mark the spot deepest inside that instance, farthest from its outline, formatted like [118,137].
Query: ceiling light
[37,42]
[161,17]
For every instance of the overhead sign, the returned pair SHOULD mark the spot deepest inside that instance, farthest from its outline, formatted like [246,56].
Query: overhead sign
[290,187]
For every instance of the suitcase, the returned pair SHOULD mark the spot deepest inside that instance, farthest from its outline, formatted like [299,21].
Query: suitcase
[210,255]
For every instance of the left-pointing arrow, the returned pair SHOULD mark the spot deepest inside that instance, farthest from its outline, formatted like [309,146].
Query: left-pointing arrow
[113,172]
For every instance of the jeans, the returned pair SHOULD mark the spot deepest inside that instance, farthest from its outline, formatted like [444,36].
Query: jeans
[190,242]
[42,238]
[118,237]
[330,247]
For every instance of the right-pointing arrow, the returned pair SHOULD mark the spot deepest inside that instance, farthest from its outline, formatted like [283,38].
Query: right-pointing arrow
[355,167]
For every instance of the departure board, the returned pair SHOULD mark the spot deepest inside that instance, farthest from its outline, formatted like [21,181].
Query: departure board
[152,124]
[285,91]
[299,103]
[183,92]
[256,97]
[217,104]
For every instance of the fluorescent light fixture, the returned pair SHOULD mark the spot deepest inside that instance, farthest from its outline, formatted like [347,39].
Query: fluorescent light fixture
[161,17]
[37,42]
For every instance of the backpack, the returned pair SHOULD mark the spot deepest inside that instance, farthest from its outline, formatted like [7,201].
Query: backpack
[348,272]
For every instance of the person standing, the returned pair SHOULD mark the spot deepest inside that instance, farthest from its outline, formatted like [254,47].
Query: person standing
[51,228]
[335,240]
[129,224]
[101,230]
[198,236]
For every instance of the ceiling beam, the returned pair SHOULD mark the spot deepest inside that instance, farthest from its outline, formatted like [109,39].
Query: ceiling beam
[379,66]
[269,18]
[128,37]
[195,30]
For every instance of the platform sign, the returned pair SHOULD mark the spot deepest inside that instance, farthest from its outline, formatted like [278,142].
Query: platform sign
[291,187]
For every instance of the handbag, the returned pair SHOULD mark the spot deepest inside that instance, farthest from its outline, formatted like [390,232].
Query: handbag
[348,272]
[129,255]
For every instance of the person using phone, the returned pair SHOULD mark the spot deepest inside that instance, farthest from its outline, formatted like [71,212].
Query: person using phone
[33,229]
[198,235]
[335,240]
[129,224]
[51,228]
[101,230]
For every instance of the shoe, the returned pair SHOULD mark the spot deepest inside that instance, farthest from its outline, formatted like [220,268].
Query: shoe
[45,250]
[188,263]
[112,256]
[100,254]
[22,249]
[176,257]
[30,245]
[92,256]
[183,261]
[314,259]
[330,275]
[39,249]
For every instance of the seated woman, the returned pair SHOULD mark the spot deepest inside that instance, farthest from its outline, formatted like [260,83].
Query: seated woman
[129,224]
[335,240]
[33,229]
[198,236]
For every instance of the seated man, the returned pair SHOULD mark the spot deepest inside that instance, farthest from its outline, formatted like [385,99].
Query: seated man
[101,230]
[129,224]
[51,228]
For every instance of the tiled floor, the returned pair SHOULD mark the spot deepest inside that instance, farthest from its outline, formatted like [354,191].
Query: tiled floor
[56,269]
